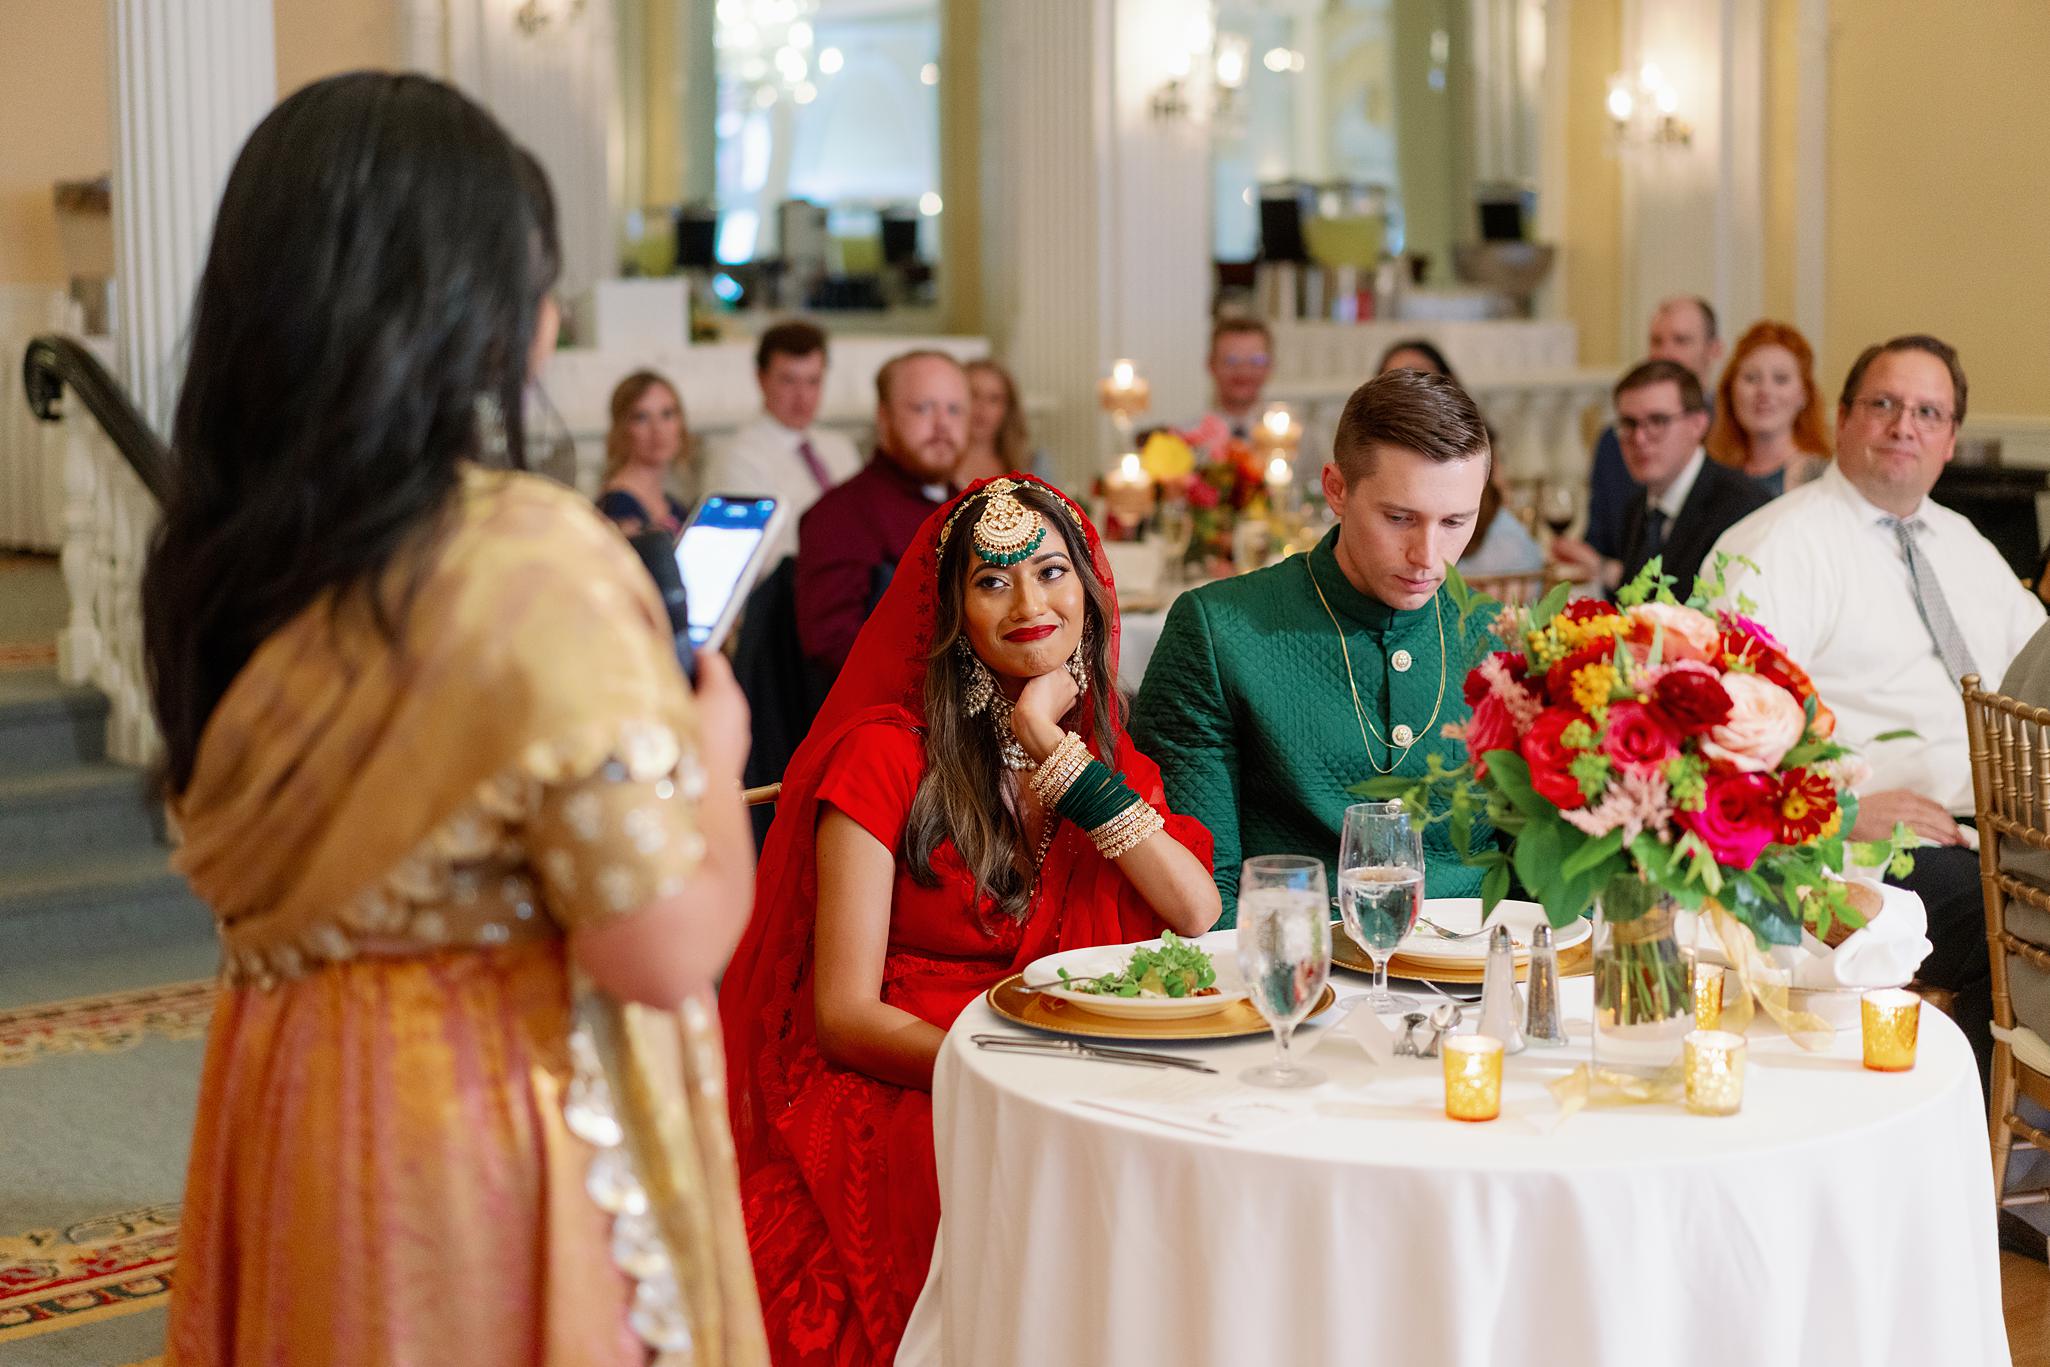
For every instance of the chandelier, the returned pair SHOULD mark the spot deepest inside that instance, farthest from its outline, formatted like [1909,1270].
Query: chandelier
[765,49]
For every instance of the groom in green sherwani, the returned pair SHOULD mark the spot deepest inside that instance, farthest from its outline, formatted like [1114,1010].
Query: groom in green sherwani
[1274,693]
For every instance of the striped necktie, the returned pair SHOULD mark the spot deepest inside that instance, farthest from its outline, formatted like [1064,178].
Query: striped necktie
[1929,600]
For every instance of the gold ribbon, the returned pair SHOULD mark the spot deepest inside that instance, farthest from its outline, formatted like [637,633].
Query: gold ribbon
[1604,1088]
[1759,978]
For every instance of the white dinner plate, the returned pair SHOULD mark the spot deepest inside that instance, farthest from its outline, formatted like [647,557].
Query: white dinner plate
[1101,959]
[1464,914]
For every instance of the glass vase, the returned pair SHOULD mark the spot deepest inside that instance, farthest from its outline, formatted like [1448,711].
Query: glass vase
[1643,984]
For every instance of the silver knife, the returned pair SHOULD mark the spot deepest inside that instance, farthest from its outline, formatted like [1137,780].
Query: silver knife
[1103,1053]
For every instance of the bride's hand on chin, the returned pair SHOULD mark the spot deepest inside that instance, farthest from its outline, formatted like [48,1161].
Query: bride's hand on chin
[1036,716]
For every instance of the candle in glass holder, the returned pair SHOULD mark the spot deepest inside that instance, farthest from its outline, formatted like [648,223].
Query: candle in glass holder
[1277,432]
[1128,492]
[1124,395]
[1715,1072]
[1892,1020]
[1708,995]
[1473,1076]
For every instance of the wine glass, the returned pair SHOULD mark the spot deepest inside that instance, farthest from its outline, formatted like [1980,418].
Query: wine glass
[1380,887]
[1557,505]
[1173,526]
[1284,952]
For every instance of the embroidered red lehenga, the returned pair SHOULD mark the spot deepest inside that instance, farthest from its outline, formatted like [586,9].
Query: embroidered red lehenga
[837,1173]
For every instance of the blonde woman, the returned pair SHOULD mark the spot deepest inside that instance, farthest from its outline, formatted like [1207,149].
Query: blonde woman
[646,440]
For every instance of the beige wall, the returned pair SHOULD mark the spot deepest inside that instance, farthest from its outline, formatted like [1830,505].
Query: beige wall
[55,105]
[1783,198]
[1939,189]
[1592,240]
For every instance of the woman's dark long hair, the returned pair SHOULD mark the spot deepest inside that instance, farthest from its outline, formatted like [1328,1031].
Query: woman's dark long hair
[961,796]
[376,271]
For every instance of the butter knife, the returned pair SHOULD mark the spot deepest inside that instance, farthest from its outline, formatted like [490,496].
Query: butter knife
[1076,1049]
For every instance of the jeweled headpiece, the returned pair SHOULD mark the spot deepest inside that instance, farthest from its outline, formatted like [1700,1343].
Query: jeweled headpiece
[1007,530]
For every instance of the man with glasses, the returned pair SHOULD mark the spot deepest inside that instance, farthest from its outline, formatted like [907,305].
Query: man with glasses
[1888,599]
[1241,357]
[1684,500]
[1683,330]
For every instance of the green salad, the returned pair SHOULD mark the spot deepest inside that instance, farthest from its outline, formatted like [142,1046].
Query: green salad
[1176,969]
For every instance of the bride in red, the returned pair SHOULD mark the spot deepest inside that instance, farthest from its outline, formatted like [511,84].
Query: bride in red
[948,820]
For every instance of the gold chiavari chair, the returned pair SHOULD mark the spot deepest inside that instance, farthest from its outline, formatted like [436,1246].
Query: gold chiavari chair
[762,796]
[2010,748]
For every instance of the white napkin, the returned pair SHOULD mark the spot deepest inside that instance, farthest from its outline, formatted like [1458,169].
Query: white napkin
[1884,952]
[1200,1102]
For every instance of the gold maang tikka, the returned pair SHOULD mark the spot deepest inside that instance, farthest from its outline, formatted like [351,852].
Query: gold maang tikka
[1006,530]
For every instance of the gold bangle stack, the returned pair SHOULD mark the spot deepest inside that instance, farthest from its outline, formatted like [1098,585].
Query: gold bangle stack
[1127,830]
[1059,770]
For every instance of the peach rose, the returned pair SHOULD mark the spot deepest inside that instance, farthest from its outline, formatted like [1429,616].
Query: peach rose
[1690,635]
[1765,722]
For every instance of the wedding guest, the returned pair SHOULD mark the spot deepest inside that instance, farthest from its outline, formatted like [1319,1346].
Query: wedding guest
[1684,500]
[1768,420]
[1501,547]
[849,544]
[643,447]
[1683,330]
[967,802]
[1887,599]
[783,451]
[434,765]
[1272,694]
[1241,357]
[997,441]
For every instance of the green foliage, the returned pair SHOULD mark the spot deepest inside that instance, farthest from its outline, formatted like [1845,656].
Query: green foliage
[1590,769]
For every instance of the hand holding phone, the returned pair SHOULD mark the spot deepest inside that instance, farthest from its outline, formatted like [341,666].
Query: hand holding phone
[720,556]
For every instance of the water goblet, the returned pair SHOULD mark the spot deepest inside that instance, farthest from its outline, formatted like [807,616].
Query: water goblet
[1557,506]
[1284,953]
[1380,888]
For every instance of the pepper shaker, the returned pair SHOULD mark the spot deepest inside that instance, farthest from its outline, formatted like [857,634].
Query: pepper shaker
[1542,1023]
[1498,993]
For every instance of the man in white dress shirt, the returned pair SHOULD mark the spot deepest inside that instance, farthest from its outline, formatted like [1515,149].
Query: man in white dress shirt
[781,452]
[1887,599]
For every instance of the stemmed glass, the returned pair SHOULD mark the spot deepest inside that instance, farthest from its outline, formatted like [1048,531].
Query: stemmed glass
[1380,887]
[1556,505]
[1173,525]
[1284,952]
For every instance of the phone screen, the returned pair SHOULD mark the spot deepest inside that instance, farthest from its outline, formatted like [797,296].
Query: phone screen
[713,555]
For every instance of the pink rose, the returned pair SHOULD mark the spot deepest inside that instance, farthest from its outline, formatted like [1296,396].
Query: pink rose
[1212,436]
[1690,635]
[1492,728]
[1739,819]
[1765,722]
[1637,737]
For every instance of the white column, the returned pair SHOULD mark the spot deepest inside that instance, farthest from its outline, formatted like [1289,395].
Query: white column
[1096,228]
[191,78]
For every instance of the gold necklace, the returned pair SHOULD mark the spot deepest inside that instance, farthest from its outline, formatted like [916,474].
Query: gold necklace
[1359,711]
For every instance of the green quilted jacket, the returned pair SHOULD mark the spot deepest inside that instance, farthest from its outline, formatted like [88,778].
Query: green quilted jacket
[1246,708]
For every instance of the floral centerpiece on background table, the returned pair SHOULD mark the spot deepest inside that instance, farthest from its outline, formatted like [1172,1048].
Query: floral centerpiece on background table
[1217,477]
[1645,756]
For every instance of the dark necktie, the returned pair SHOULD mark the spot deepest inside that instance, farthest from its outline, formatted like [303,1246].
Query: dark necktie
[1930,602]
[1654,529]
[814,464]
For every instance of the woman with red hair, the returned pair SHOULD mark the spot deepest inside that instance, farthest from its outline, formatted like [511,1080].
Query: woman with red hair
[1768,413]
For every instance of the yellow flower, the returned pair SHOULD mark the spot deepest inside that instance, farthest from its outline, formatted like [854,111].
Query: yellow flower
[1167,456]
[1592,685]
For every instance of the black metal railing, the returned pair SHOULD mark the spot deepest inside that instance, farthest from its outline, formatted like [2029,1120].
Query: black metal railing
[54,364]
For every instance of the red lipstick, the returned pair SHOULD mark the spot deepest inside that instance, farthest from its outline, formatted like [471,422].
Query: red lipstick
[1023,634]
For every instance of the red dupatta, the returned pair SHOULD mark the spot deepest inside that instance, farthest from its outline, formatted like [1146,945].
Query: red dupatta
[765,998]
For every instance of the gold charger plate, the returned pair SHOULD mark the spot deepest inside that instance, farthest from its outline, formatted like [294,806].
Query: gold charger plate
[1042,1012]
[1574,961]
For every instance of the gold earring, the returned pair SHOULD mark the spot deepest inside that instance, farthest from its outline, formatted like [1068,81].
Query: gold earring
[979,686]
[1078,663]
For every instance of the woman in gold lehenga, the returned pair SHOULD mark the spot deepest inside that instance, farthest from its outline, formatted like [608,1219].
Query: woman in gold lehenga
[443,784]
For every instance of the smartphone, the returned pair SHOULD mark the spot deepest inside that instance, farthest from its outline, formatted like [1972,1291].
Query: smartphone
[720,555]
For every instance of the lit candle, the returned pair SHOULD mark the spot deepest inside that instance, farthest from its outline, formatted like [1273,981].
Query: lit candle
[1715,1072]
[1892,1020]
[1123,394]
[1277,432]
[1473,1076]
[1121,377]
[1128,491]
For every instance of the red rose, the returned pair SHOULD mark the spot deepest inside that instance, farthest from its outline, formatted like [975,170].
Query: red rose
[1548,757]
[1559,678]
[1587,609]
[1637,737]
[1739,819]
[1492,728]
[1476,686]
[1691,700]
[1202,494]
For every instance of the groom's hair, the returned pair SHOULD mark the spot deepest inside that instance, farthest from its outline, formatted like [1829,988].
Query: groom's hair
[1428,414]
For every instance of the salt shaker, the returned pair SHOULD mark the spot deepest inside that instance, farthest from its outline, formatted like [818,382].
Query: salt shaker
[1498,993]
[1542,1023]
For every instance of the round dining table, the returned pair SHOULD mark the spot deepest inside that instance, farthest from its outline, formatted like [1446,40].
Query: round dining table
[1842,1216]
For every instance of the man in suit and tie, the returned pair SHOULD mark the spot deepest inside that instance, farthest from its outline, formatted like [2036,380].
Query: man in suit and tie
[1684,500]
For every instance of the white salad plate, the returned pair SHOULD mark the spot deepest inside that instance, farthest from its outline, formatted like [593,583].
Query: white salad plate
[1462,914]
[1101,959]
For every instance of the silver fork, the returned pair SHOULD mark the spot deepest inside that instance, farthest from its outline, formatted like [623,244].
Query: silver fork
[1455,934]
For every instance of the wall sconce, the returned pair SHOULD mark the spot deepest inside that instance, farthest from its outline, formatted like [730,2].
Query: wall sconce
[1643,110]
[1229,57]
[535,15]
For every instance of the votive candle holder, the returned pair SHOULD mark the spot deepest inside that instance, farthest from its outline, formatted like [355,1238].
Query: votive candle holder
[1715,1072]
[1892,1019]
[1473,1076]
[1708,996]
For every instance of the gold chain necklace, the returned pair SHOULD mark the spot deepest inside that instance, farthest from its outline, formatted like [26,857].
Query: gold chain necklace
[1359,711]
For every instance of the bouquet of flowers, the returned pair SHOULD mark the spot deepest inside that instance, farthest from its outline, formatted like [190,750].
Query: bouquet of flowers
[1654,754]
[1222,484]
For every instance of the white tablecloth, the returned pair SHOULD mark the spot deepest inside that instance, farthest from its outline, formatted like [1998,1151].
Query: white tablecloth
[1842,1217]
